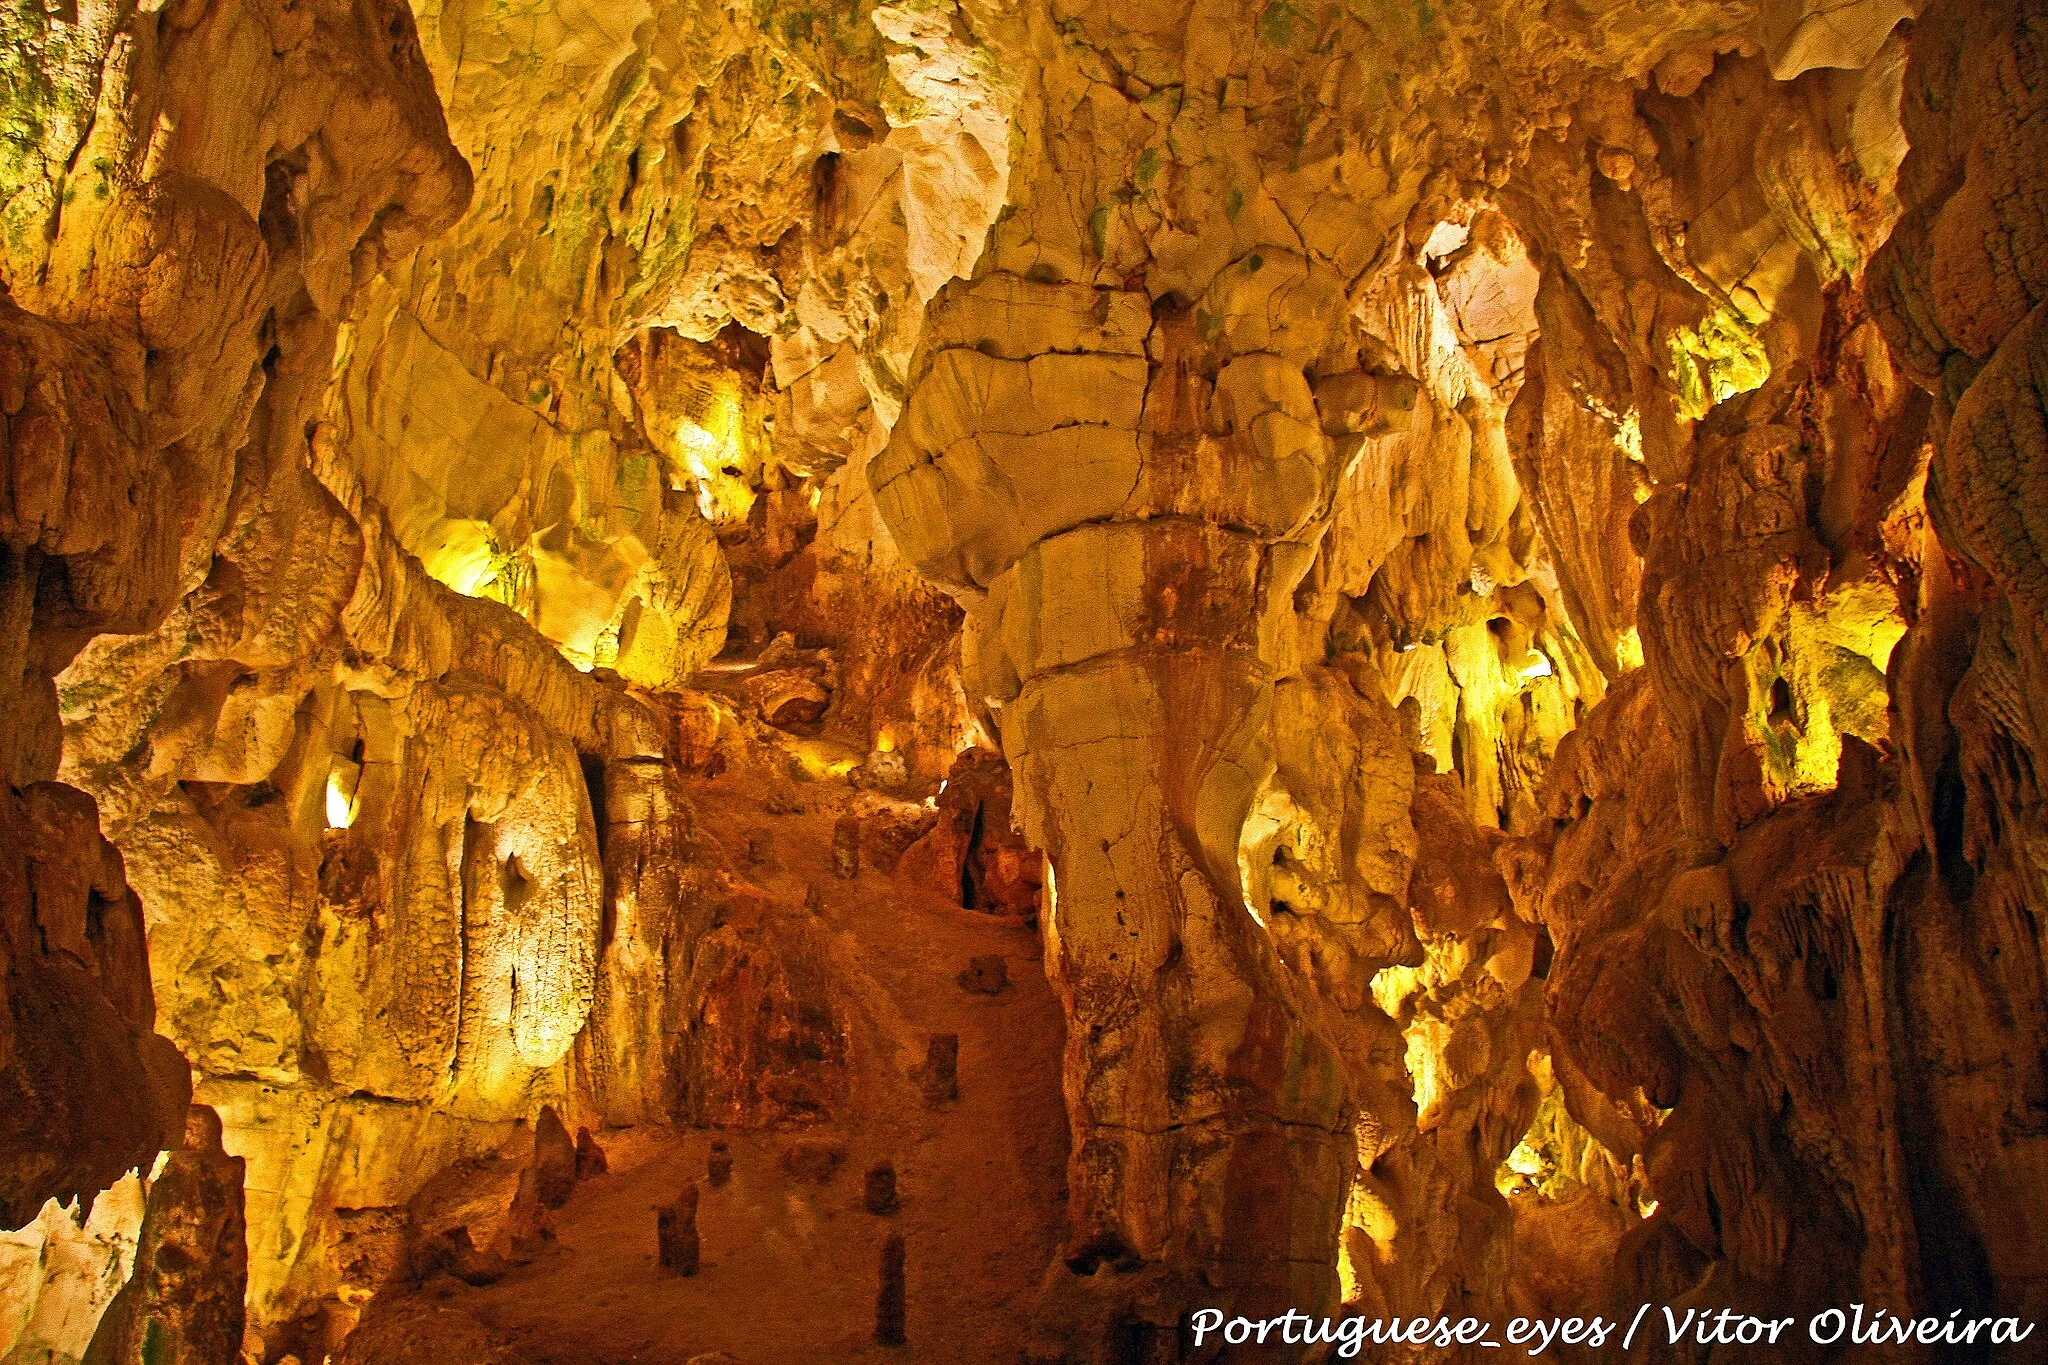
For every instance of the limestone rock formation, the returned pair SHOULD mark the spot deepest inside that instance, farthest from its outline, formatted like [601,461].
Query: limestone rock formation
[59,1274]
[878,1192]
[90,1090]
[681,1249]
[766,1042]
[401,1331]
[1802,711]
[183,1301]
[554,1159]
[1442,605]
[974,843]
[478,1217]
[890,1309]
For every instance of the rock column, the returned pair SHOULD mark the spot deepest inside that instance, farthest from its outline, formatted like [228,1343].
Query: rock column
[183,1303]
[1120,446]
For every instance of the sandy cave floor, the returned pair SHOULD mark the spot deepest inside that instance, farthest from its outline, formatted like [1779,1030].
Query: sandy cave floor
[981,1181]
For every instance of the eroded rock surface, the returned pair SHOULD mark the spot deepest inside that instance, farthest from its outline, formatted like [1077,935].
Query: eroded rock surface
[184,1300]
[1808,709]
[1469,575]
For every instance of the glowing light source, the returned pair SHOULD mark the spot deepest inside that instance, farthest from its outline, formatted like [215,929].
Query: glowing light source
[1629,435]
[1393,985]
[885,743]
[1051,918]
[344,779]
[1428,1039]
[1539,668]
[712,443]
[1628,650]
[1524,1163]
[466,560]
[1444,239]
[822,759]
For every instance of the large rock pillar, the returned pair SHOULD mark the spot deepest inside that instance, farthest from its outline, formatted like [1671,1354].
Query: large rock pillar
[1119,448]
[183,1305]
[1131,660]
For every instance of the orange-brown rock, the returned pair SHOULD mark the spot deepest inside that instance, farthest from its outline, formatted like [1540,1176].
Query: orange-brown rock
[403,1331]
[975,845]
[1441,604]
[680,1248]
[1755,996]
[184,1300]
[766,1040]
[90,1089]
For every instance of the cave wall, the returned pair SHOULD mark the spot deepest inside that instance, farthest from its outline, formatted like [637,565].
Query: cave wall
[357,795]
[150,298]
[245,642]
[1833,914]
[1537,511]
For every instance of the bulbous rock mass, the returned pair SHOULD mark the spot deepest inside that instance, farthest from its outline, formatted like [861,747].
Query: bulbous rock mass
[1319,656]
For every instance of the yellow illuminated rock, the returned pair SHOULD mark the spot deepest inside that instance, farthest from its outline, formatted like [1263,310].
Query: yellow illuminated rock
[1237,655]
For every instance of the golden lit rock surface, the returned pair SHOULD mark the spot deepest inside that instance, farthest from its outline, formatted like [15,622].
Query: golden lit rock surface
[1326,657]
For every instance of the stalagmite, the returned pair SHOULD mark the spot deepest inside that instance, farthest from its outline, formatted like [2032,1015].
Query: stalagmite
[889,1298]
[183,1304]
[555,1159]
[846,848]
[878,1194]
[676,1228]
[939,1076]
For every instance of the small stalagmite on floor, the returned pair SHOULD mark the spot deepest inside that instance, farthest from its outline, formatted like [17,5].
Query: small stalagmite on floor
[846,848]
[555,1164]
[879,1196]
[676,1228]
[940,1074]
[889,1299]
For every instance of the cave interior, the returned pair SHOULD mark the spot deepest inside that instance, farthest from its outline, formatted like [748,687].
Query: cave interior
[953,680]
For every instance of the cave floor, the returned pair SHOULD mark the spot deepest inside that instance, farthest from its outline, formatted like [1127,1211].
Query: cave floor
[789,1267]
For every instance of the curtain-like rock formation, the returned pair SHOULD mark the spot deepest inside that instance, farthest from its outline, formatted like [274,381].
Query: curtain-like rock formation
[1499,549]
[160,277]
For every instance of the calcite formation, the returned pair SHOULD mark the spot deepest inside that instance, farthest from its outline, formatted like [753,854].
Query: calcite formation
[184,1299]
[62,1273]
[1368,659]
